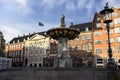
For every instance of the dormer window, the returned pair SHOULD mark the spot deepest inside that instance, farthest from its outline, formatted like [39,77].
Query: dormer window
[86,29]
[24,40]
[18,41]
[13,41]
[98,19]
[27,38]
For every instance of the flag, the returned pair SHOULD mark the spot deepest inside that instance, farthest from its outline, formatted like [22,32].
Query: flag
[40,24]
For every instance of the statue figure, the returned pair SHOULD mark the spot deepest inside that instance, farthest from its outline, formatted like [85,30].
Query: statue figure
[106,6]
[63,21]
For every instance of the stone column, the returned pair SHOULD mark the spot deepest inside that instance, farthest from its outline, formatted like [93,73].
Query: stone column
[63,58]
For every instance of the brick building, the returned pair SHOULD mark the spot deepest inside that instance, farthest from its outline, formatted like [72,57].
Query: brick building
[100,38]
[81,47]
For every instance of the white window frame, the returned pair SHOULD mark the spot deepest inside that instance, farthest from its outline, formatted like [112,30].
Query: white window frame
[83,37]
[113,49]
[98,51]
[101,63]
[88,36]
[118,50]
[98,33]
[117,30]
[111,40]
[111,32]
[117,21]
[98,41]
[117,39]
[83,47]
[98,25]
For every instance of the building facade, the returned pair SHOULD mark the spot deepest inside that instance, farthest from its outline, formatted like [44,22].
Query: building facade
[15,49]
[2,45]
[100,39]
[81,47]
[36,51]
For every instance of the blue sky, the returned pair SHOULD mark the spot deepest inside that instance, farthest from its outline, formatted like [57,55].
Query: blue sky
[18,17]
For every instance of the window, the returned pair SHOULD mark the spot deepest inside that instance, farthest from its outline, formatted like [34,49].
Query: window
[98,50]
[115,14]
[113,50]
[83,47]
[117,30]
[99,61]
[111,32]
[24,40]
[86,29]
[40,51]
[98,42]
[83,37]
[98,19]
[113,60]
[117,21]
[111,40]
[89,46]
[13,41]
[111,25]
[77,48]
[98,33]
[18,41]
[28,38]
[98,25]
[73,48]
[118,39]
[88,36]
[118,49]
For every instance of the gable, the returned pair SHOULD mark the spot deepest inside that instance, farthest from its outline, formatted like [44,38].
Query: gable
[36,37]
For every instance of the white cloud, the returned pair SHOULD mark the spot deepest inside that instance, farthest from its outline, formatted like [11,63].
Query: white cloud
[17,5]
[22,2]
[90,5]
[52,4]
[22,6]
[70,5]
[9,32]
[81,4]
[48,4]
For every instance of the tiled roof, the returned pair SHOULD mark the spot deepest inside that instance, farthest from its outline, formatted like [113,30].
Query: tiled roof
[25,37]
[82,27]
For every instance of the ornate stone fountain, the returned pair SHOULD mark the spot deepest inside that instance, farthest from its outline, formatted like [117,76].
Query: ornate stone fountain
[63,34]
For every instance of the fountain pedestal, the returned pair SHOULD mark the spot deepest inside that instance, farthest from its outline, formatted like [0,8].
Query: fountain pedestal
[63,58]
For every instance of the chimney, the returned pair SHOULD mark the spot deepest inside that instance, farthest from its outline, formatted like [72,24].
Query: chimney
[18,36]
[23,34]
[71,24]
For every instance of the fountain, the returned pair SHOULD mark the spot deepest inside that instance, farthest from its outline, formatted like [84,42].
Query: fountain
[63,34]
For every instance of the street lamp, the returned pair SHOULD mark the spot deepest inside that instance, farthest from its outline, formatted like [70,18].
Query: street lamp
[111,66]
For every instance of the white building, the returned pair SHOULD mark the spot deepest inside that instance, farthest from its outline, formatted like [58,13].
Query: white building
[36,49]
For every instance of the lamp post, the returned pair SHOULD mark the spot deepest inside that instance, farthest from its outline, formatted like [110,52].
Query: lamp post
[111,66]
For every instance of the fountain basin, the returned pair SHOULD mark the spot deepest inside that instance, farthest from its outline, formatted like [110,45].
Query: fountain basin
[57,33]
